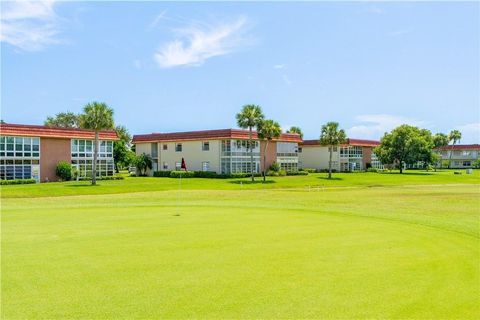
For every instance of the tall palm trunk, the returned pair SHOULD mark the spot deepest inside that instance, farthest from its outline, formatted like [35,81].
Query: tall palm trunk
[265,160]
[94,164]
[250,145]
[330,164]
[451,152]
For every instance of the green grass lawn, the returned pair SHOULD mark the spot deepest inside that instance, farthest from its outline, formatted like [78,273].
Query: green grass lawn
[363,245]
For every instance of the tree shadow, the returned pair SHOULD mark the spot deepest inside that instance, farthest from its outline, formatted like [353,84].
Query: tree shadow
[410,173]
[332,178]
[81,185]
[241,182]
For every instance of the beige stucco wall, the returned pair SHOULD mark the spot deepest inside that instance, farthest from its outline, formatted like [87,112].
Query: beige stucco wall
[192,153]
[317,157]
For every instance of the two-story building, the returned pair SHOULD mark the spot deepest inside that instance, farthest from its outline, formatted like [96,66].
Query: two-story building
[220,151]
[356,154]
[461,155]
[30,151]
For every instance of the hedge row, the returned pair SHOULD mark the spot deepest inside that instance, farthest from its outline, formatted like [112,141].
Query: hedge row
[17,181]
[201,174]
[111,178]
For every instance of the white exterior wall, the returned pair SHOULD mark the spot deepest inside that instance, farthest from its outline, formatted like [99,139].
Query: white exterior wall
[192,153]
[317,157]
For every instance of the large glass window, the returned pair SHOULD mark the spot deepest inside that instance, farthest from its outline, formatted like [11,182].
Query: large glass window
[235,156]
[82,158]
[17,157]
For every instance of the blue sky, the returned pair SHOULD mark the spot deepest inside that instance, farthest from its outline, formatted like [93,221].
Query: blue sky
[189,66]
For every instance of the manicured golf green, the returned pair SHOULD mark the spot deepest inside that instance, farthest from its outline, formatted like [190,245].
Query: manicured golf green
[362,246]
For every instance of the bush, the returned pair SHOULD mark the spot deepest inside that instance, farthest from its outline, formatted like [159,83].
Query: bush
[297,173]
[183,174]
[372,169]
[205,174]
[17,181]
[476,163]
[110,178]
[326,170]
[64,170]
[275,167]
[161,173]
[309,170]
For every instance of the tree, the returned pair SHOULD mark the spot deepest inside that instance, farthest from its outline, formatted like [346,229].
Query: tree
[454,136]
[250,117]
[268,130]
[143,162]
[296,130]
[96,116]
[331,136]
[405,145]
[121,148]
[64,120]
[440,140]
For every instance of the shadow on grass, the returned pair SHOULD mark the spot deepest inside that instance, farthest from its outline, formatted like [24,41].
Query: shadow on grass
[82,185]
[252,182]
[409,173]
[332,178]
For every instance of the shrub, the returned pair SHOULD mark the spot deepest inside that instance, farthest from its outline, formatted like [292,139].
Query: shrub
[64,170]
[275,167]
[183,174]
[476,163]
[372,169]
[110,178]
[309,170]
[326,170]
[161,173]
[205,174]
[282,173]
[297,173]
[17,181]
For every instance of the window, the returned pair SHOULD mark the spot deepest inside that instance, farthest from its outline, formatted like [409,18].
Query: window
[154,149]
[165,147]
[467,163]
[178,147]
[165,166]
[178,166]
[205,146]
[205,166]
[300,149]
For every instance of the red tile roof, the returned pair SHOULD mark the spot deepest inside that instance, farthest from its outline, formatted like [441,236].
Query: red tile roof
[350,142]
[208,135]
[7,129]
[460,147]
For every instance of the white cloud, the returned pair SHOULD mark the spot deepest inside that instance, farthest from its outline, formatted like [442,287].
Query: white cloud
[201,42]
[375,9]
[286,79]
[157,19]
[470,132]
[373,126]
[279,66]
[401,32]
[29,25]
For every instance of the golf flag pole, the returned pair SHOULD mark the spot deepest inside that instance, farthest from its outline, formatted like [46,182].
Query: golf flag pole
[184,167]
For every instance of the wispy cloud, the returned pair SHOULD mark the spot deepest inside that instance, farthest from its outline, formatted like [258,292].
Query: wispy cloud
[157,19]
[373,126]
[279,66]
[376,10]
[470,132]
[29,25]
[401,32]
[286,79]
[200,42]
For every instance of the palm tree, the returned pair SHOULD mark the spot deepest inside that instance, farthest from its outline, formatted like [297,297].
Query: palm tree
[268,130]
[250,116]
[331,136]
[453,136]
[96,116]
[296,130]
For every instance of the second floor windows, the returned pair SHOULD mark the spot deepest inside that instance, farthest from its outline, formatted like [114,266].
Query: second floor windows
[205,146]
[178,147]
